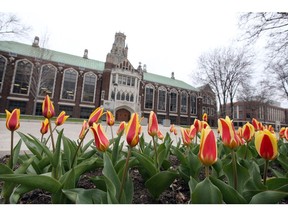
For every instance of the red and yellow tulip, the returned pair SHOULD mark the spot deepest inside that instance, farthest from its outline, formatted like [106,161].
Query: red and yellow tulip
[282,132]
[153,126]
[95,116]
[83,130]
[61,118]
[160,135]
[13,119]
[110,120]
[228,133]
[192,132]
[248,132]
[198,125]
[48,108]
[205,117]
[121,127]
[44,127]
[185,136]
[208,147]
[266,144]
[132,130]
[101,140]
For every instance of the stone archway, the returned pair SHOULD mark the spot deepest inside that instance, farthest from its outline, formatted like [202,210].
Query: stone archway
[122,115]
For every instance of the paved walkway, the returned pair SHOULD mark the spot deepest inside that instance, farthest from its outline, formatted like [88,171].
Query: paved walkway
[71,130]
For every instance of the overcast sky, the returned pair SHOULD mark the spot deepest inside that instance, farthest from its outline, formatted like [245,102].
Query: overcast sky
[166,35]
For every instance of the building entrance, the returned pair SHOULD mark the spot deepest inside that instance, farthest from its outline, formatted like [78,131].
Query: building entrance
[122,115]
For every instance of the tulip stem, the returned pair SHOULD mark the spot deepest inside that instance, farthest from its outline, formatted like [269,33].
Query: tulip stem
[265,171]
[206,171]
[112,133]
[11,151]
[156,153]
[124,173]
[79,145]
[246,150]
[234,163]
[51,134]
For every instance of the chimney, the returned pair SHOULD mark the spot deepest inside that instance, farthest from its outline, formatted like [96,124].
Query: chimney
[172,75]
[85,54]
[36,42]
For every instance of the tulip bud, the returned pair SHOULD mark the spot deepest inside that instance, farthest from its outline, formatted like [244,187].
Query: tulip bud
[83,129]
[121,127]
[48,108]
[266,144]
[160,135]
[44,127]
[101,140]
[61,118]
[95,116]
[228,133]
[185,136]
[283,133]
[192,132]
[110,120]
[198,125]
[248,132]
[153,126]
[208,147]
[205,117]
[132,130]
[12,119]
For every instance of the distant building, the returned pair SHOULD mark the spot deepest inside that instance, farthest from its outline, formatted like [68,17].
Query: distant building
[78,85]
[267,113]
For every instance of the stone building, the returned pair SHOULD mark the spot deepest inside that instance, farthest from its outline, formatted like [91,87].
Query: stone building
[78,84]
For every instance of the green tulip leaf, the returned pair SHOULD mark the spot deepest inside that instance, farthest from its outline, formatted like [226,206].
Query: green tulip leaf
[206,193]
[159,182]
[230,195]
[276,183]
[146,162]
[268,197]
[86,196]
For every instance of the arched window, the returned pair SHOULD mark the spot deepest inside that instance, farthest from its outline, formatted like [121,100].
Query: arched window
[184,102]
[69,84]
[127,97]
[3,63]
[89,86]
[47,80]
[118,96]
[193,104]
[149,96]
[113,95]
[131,98]
[173,100]
[22,77]
[162,92]
[123,96]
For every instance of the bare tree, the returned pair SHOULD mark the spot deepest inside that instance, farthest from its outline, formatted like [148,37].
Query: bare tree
[272,26]
[257,97]
[224,69]
[11,25]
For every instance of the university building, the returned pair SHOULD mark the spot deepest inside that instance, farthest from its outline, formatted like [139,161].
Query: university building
[78,84]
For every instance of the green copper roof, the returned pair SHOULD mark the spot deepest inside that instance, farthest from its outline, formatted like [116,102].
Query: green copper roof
[50,55]
[150,77]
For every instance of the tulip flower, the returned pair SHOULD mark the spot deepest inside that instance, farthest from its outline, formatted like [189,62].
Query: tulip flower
[270,128]
[132,130]
[198,125]
[95,116]
[204,124]
[101,140]
[208,147]
[282,132]
[160,135]
[48,108]
[171,129]
[266,146]
[205,117]
[83,130]
[12,124]
[12,119]
[153,126]
[110,120]
[185,136]
[228,133]
[248,132]
[121,127]
[231,140]
[192,132]
[61,118]
[285,133]
[44,127]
